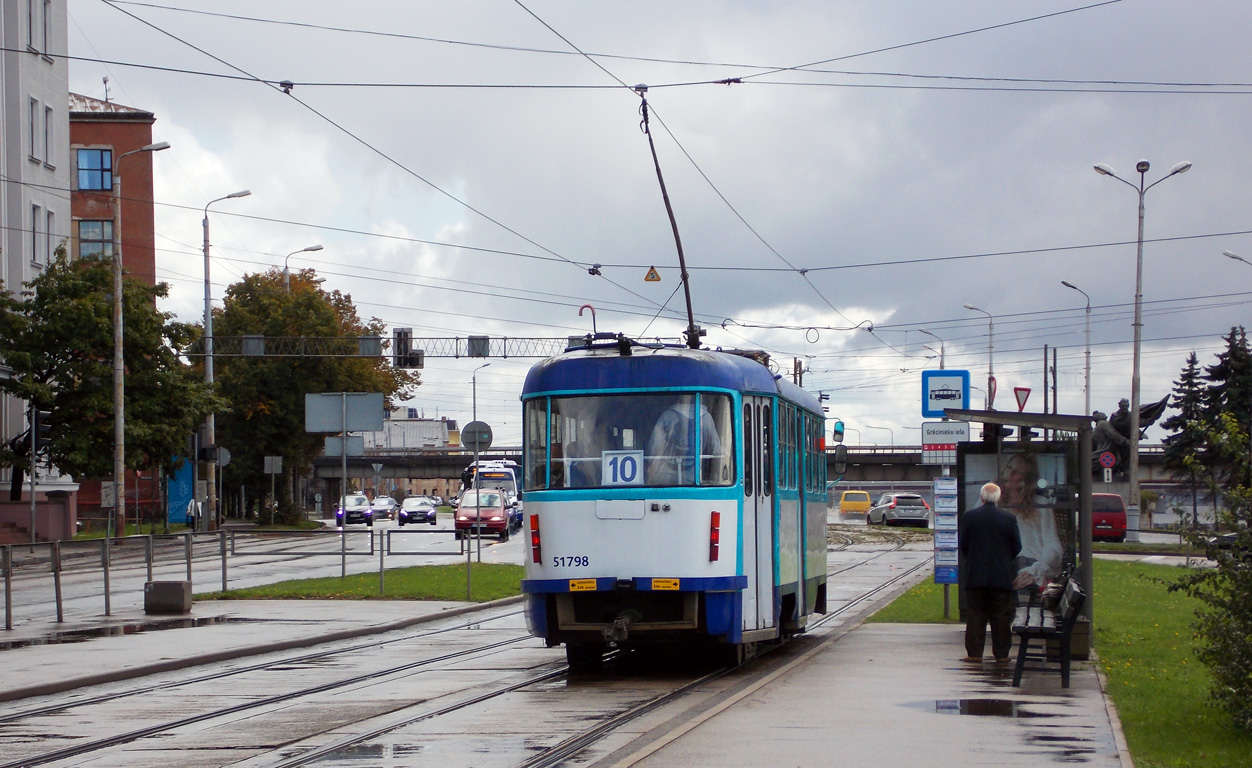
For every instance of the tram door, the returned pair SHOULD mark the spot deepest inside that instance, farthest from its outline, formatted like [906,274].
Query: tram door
[758,512]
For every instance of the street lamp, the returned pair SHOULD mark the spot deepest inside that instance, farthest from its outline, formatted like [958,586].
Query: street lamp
[890,432]
[936,338]
[991,377]
[210,436]
[287,273]
[119,376]
[1087,374]
[1142,168]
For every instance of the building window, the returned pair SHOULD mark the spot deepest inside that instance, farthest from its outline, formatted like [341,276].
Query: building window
[47,14]
[30,23]
[50,238]
[49,146]
[95,169]
[35,133]
[95,238]
[36,214]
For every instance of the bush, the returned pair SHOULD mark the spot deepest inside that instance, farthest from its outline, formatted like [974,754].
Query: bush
[1223,624]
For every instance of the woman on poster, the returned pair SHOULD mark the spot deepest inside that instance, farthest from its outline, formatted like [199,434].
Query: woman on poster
[1042,555]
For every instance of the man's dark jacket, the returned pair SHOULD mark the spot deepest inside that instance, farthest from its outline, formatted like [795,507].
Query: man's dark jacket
[990,541]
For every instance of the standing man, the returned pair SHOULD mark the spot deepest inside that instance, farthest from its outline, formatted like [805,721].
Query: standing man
[990,542]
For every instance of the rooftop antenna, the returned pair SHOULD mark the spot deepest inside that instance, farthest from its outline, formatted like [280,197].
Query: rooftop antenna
[106,89]
[693,333]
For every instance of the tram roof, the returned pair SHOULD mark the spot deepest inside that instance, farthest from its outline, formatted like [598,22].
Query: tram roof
[606,369]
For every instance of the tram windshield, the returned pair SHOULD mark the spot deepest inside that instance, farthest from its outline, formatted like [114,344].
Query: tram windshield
[638,439]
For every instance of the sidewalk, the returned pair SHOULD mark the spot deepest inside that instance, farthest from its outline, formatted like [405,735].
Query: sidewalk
[879,695]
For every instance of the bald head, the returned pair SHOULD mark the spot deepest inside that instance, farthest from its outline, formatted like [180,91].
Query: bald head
[990,493]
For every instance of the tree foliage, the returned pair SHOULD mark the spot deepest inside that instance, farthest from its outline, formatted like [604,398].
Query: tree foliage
[57,337]
[1224,624]
[267,393]
[1187,438]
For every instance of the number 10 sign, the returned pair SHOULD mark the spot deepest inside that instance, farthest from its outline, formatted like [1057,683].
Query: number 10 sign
[621,468]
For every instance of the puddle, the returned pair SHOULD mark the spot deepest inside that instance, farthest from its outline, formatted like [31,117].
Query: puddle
[82,635]
[985,708]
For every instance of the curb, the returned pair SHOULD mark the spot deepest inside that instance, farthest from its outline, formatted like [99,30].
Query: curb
[60,686]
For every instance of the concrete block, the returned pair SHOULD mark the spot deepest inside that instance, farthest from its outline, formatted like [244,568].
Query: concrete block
[167,597]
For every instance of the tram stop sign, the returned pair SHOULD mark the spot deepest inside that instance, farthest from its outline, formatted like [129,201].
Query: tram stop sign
[476,436]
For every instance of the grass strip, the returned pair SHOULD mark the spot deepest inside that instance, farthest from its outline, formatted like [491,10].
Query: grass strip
[488,581]
[1143,641]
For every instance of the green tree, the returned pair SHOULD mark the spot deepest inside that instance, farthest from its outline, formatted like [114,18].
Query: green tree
[57,337]
[267,393]
[1224,622]
[1229,391]
[1186,425]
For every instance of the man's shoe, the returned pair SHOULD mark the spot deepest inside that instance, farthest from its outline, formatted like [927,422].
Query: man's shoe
[976,659]
[1003,660]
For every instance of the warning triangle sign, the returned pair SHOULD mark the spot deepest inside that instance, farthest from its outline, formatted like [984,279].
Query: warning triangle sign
[653,276]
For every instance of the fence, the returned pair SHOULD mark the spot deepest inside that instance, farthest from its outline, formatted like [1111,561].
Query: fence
[231,545]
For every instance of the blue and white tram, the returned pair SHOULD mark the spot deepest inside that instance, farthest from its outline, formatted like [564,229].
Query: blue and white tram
[642,532]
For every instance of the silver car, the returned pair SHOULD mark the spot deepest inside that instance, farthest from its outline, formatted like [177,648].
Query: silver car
[900,509]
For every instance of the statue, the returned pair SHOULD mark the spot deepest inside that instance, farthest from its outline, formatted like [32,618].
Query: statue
[1105,438]
[1113,434]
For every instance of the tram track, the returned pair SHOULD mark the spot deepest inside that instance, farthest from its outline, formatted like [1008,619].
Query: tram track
[573,745]
[397,714]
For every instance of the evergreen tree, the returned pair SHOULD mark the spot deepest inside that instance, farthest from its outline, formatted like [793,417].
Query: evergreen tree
[1229,391]
[1187,426]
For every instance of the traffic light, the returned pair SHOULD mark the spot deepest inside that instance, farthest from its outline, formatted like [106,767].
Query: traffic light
[403,354]
[41,425]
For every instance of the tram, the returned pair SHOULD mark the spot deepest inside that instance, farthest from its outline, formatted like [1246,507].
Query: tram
[673,496]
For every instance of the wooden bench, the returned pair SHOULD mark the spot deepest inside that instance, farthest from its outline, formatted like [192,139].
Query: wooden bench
[1044,625]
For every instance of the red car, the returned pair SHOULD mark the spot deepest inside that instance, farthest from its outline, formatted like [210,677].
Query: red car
[1108,517]
[484,511]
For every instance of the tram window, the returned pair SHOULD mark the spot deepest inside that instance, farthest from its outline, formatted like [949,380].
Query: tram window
[767,452]
[635,439]
[535,456]
[749,450]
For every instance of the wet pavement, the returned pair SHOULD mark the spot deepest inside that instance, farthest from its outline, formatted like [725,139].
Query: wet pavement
[874,694]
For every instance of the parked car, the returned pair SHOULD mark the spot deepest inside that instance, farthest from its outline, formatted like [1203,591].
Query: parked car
[854,503]
[384,507]
[899,509]
[484,511]
[1108,517]
[354,508]
[417,509]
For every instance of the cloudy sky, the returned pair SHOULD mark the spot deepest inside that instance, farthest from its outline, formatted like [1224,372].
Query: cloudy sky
[875,165]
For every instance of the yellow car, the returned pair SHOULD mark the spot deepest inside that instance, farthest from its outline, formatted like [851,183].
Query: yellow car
[854,503]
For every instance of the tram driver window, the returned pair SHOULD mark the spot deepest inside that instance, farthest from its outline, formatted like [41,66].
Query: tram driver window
[672,455]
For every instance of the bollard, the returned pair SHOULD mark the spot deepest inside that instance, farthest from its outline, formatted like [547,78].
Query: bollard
[187,552]
[56,579]
[7,566]
[343,552]
[104,561]
[147,551]
[380,560]
[221,548]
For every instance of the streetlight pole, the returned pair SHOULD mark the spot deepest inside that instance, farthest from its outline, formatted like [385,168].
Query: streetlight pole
[119,367]
[991,332]
[287,273]
[1087,370]
[1142,168]
[936,338]
[211,424]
